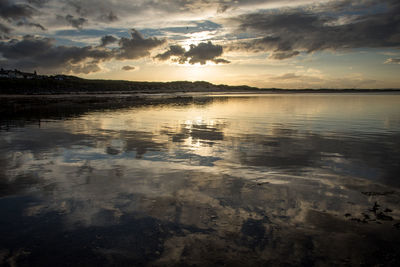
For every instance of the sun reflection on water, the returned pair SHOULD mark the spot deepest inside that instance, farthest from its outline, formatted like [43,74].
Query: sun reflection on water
[229,173]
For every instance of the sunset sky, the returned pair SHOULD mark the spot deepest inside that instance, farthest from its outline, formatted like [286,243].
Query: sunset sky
[275,43]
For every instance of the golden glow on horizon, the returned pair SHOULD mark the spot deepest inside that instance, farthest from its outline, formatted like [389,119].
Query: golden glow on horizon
[304,73]
[196,72]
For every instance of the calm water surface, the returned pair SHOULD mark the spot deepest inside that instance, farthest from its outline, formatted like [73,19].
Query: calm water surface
[302,179]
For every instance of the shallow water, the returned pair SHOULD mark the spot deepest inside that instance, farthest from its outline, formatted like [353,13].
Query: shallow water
[291,179]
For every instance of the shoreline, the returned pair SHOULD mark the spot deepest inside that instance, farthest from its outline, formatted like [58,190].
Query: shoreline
[147,94]
[14,103]
[71,85]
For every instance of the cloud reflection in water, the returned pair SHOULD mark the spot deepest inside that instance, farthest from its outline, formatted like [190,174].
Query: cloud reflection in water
[247,179]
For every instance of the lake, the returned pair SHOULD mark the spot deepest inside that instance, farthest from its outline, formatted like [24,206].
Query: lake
[276,179]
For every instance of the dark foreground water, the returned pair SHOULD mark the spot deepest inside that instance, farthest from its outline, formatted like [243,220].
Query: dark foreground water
[279,180]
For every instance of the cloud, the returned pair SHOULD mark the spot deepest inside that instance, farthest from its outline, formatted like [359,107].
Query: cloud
[128,68]
[312,78]
[287,32]
[4,29]
[146,13]
[286,76]
[203,52]
[11,11]
[75,22]
[28,46]
[200,53]
[39,3]
[297,80]
[108,39]
[18,15]
[109,17]
[41,53]
[137,46]
[106,11]
[31,24]
[222,8]
[393,61]
[220,60]
[283,55]
[174,50]
[32,52]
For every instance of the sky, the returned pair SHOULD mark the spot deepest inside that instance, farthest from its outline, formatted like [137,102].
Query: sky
[273,43]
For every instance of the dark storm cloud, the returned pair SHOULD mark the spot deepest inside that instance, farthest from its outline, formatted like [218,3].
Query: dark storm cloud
[85,7]
[350,6]
[4,31]
[203,52]
[38,3]
[12,11]
[288,31]
[200,53]
[109,17]
[18,15]
[75,22]
[104,11]
[31,24]
[108,39]
[41,53]
[173,51]
[27,47]
[109,10]
[36,52]
[137,46]
[128,68]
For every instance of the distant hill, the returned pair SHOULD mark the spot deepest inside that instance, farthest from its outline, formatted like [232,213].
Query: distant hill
[14,82]
[17,82]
